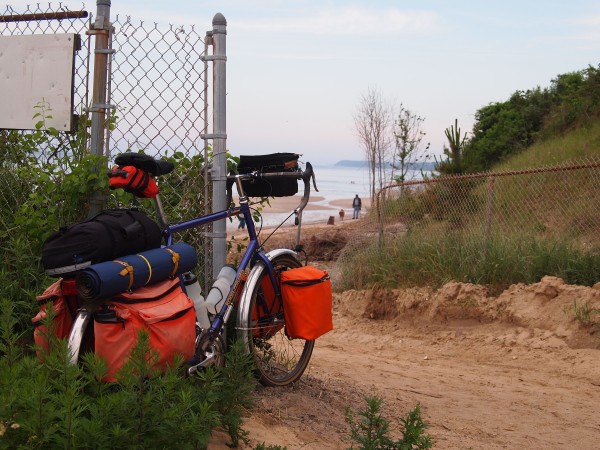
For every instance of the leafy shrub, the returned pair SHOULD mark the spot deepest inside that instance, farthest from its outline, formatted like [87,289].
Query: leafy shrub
[506,128]
[58,405]
[45,181]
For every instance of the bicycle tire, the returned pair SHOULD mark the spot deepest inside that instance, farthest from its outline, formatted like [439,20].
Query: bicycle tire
[279,360]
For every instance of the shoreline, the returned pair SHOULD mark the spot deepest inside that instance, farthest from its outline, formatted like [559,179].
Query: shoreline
[316,203]
[317,212]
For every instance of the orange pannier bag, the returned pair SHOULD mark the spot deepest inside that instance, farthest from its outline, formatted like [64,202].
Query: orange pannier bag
[62,294]
[162,309]
[307,302]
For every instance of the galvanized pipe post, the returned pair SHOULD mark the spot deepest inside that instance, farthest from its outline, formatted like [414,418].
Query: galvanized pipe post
[219,138]
[489,217]
[101,30]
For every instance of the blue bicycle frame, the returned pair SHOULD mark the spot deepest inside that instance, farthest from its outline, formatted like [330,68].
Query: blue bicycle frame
[249,259]
[253,253]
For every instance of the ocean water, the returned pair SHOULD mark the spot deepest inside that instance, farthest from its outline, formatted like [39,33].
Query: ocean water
[334,183]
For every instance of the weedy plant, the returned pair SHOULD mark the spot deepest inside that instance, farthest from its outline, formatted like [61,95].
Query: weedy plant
[371,430]
[587,316]
[585,313]
[263,446]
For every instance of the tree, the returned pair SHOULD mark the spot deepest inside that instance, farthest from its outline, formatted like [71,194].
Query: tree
[407,140]
[453,163]
[372,121]
[499,131]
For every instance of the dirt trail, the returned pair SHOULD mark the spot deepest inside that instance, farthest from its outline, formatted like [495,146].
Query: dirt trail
[514,371]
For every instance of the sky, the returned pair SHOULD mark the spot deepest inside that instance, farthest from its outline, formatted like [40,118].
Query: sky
[296,70]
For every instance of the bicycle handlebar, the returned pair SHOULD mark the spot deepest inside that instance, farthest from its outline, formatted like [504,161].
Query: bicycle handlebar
[305,175]
[161,167]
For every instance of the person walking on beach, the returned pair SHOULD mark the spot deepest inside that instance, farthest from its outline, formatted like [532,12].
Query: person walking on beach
[356,204]
[242,223]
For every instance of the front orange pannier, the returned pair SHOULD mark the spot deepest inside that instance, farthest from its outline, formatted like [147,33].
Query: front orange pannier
[162,309]
[307,302]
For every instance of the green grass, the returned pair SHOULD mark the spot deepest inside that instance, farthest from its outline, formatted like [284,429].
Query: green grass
[418,259]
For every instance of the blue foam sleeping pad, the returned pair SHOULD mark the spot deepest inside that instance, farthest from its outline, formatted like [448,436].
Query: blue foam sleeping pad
[107,279]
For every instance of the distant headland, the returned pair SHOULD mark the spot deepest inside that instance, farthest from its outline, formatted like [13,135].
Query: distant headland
[425,166]
[350,163]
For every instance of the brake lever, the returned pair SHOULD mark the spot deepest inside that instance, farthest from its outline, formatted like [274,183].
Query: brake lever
[117,173]
[308,174]
[314,180]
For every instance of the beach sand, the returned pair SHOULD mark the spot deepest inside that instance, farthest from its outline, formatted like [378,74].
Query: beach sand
[316,203]
[317,212]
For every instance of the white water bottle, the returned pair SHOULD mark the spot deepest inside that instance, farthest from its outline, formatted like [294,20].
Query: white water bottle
[220,289]
[194,292]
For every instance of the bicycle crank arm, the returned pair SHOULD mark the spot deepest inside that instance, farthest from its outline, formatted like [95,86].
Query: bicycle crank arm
[212,352]
[209,360]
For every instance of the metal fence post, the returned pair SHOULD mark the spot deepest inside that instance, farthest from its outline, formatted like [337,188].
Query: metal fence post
[219,137]
[380,202]
[101,29]
[489,216]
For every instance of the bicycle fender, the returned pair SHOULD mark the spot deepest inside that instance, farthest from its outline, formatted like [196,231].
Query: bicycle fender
[76,335]
[251,282]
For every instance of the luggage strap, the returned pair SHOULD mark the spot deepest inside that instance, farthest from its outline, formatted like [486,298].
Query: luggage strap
[175,259]
[149,267]
[128,269]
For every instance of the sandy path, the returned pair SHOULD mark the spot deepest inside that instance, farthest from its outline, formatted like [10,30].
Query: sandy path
[520,373]
[474,394]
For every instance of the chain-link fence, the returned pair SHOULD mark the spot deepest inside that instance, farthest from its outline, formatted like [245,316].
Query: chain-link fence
[159,91]
[461,224]
[157,103]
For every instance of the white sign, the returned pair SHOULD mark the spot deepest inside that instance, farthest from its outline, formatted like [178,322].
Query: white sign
[37,71]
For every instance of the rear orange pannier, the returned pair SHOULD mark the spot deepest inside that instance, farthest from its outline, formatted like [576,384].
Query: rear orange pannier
[63,296]
[162,309]
[307,302]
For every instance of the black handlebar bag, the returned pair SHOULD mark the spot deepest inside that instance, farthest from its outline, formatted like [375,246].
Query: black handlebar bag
[104,237]
[271,163]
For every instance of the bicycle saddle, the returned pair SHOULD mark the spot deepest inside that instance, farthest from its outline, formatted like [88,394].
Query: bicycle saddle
[145,162]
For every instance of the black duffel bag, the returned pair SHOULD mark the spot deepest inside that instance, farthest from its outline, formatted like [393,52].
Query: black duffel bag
[272,186]
[104,237]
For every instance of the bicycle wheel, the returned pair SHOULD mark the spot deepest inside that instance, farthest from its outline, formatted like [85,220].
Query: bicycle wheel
[279,360]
